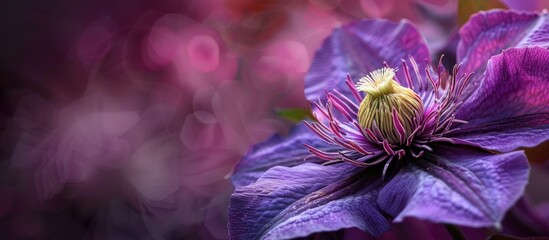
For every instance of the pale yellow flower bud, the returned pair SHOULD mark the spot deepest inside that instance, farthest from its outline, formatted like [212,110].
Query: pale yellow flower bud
[383,94]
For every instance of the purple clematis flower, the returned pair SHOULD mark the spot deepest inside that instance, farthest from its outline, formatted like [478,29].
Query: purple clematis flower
[413,142]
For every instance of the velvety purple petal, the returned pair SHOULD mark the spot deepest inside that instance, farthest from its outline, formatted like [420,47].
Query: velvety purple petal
[277,151]
[295,202]
[510,109]
[459,186]
[488,33]
[359,48]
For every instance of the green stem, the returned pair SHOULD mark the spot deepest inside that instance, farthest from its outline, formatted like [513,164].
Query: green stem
[455,232]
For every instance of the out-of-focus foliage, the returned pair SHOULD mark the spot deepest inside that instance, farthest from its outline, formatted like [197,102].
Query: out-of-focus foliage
[468,7]
[295,115]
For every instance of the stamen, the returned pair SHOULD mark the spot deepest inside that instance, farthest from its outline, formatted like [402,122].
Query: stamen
[393,107]
[351,86]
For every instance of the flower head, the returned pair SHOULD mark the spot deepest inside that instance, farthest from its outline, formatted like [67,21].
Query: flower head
[421,142]
[390,120]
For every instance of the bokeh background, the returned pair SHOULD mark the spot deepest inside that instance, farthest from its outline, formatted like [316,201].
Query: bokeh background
[124,119]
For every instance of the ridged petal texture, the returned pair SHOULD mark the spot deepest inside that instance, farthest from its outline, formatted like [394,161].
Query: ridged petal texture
[459,186]
[489,33]
[359,48]
[295,202]
[510,109]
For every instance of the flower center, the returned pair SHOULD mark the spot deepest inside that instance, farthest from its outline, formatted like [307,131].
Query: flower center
[394,109]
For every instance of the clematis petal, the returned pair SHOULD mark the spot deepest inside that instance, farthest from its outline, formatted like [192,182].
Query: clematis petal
[460,186]
[488,33]
[277,151]
[295,202]
[511,107]
[359,48]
